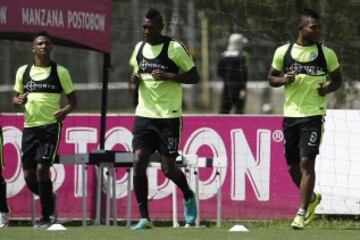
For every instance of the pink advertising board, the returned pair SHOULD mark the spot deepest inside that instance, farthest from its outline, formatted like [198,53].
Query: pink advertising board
[255,183]
[82,23]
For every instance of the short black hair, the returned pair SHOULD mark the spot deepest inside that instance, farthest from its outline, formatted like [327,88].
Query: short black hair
[41,34]
[307,12]
[153,14]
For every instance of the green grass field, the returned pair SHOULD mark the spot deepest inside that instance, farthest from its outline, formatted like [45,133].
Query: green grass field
[277,230]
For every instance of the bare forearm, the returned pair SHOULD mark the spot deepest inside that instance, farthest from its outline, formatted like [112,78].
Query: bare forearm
[72,102]
[186,78]
[276,81]
[333,86]
[335,81]
[68,108]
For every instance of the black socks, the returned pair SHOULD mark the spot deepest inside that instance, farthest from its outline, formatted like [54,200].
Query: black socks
[141,192]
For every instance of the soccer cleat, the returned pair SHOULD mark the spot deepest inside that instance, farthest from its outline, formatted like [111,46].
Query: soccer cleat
[298,222]
[142,225]
[310,215]
[45,222]
[4,219]
[190,211]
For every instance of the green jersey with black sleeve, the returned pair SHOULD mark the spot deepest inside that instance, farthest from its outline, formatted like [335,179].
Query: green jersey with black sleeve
[311,64]
[160,99]
[45,86]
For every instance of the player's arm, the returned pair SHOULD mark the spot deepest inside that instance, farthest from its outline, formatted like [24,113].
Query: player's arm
[188,73]
[334,84]
[278,79]
[19,99]
[189,77]
[69,91]
[276,75]
[134,76]
[335,74]
[61,114]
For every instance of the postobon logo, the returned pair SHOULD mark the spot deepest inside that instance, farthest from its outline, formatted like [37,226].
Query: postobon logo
[30,86]
[143,64]
[296,67]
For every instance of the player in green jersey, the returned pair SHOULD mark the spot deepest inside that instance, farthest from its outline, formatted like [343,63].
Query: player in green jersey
[302,67]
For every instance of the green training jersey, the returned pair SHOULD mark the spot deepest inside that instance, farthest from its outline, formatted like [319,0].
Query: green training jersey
[161,99]
[41,106]
[301,96]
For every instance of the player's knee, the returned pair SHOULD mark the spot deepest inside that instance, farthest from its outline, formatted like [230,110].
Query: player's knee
[307,165]
[42,173]
[139,166]
[32,184]
[168,171]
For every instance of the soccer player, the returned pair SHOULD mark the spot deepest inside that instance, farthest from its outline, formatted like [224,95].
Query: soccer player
[163,65]
[4,209]
[302,68]
[38,88]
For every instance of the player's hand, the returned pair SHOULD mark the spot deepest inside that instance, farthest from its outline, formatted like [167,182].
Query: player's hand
[21,99]
[158,74]
[289,77]
[135,79]
[322,89]
[60,115]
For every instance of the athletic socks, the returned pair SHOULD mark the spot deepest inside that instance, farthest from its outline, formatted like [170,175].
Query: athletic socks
[301,212]
[141,193]
[313,197]
[46,198]
[181,182]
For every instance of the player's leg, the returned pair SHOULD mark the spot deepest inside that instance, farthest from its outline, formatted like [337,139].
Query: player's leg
[4,209]
[311,133]
[49,139]
[292,154]
[292,151]
[172,172]
[169,131]
[143,145]
[29,146]
[307,166]
[141,160]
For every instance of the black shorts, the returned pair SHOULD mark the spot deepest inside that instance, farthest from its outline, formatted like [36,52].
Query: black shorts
[162,135]
[302,137]
[40,145]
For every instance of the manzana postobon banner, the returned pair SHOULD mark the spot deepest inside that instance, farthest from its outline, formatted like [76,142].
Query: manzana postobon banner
[80,23]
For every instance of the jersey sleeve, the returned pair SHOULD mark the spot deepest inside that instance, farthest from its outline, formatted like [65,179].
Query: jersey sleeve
[19,86]
[332,62]
[133,62]
[65,80]
[278,59]
[180,55]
